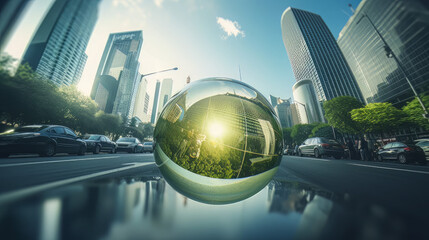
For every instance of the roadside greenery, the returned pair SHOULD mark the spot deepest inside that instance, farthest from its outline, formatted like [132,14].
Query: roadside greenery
[26,98]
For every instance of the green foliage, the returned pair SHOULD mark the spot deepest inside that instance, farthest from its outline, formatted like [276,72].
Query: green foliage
[287,138]
[300,132]
[322,130]
[337,112]
[415,112]
[378,117]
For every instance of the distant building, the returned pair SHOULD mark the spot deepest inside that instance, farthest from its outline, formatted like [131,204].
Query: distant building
[283,110]
[142,102]
[188,80]
[314,54]
[309,109]
[120,62]
[295,114]
[10,11]
[155,103]
[165,93]
[57,50]
[404,24]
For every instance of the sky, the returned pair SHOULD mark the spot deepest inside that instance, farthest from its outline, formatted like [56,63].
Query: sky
[203,38]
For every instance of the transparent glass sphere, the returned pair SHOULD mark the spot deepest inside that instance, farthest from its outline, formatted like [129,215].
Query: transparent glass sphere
[218,141]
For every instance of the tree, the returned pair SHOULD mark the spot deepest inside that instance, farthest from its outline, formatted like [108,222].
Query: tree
[415,112]
[337,112]
[287,136]
[300,132]
[322,130]
[378,117]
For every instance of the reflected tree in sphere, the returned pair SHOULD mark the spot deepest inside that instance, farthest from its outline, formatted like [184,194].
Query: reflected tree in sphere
[218,141]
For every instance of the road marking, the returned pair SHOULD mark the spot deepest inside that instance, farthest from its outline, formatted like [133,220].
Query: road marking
[396,169]
[9,196]
[57,161]
[313,159]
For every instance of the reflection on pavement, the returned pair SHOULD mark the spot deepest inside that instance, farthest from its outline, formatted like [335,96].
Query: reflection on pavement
[146,207]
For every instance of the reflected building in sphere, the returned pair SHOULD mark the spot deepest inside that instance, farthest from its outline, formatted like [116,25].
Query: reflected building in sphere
[309,108]
[218,141]
[315,55]
[404,24]
[120,62]
[57,50]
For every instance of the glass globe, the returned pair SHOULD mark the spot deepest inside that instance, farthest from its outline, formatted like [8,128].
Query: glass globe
[218,141]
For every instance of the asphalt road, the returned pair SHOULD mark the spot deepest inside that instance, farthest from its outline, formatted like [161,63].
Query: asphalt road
[403,187]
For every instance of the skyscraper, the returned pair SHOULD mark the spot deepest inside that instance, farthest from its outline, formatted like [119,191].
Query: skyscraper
[309,109]
[141,102]
[57,50]
[119,63]
[314,54]
[165,93]
[404,24]
[10,11]
[155,102]
[283,110]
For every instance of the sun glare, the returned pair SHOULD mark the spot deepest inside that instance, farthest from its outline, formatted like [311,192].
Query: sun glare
[216,129]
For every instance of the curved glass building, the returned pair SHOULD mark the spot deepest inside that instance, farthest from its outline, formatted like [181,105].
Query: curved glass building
[309,109]
[314,54]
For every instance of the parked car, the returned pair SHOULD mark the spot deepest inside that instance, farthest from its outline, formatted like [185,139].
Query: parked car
[99,143]
[129,144]
[148,147]
[321,147]
[402,152]
[45,140]
[424,144]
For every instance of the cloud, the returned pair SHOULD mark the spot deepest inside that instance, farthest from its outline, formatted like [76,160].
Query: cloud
[158,3]
[230,27]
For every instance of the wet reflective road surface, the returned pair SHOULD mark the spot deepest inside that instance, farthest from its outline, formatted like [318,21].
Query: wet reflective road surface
[307,199]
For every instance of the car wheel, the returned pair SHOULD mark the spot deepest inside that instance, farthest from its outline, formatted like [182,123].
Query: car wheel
[82,150]
[49,150]
[4,155]
[300,153]
[134,150]
[113,150]
[316,153]
[380,158]
[402,159]
[97,149]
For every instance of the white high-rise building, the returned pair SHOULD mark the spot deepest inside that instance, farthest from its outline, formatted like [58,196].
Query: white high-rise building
[141,102]
[165,94]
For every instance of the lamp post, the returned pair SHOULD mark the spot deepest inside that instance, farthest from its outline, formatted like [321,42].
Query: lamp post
[391,54]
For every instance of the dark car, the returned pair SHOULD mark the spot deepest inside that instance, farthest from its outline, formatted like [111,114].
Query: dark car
[424,144]
[129,144]
[148,147]
[402,152]
[99,143]
[46,140]
[321,147]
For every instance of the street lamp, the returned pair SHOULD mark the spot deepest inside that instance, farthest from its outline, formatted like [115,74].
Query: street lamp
[391,54]
[171,69]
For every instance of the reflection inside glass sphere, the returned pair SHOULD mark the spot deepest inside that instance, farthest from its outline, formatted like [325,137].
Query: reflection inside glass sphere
[218,141]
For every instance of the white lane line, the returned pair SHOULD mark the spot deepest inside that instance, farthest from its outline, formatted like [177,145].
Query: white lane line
[9,196]
[57,161]
[313,159]
[396,169]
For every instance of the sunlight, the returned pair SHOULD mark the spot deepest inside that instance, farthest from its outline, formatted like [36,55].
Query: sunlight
[216,129]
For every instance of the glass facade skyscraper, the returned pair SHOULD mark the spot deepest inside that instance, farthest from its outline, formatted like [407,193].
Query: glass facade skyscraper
[315,55]
[57,50]
[155,103]
[120,62]
[404,24]
[309,109]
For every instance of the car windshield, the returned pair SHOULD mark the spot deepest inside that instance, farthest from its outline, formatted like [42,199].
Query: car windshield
[93,137]
[126,140]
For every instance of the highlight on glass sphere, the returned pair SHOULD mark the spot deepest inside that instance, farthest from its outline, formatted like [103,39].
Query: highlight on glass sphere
[218,141]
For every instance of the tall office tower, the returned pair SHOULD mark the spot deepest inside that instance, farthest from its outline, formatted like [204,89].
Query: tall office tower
[117,79]
[283,111]
[10,11]
[141,103]
[309,109]
[165,94]
[155,103]
[404,24]
[57,50]
[314,54]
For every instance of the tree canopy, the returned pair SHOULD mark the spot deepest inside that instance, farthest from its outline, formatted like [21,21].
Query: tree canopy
[337,112]
[415,112]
